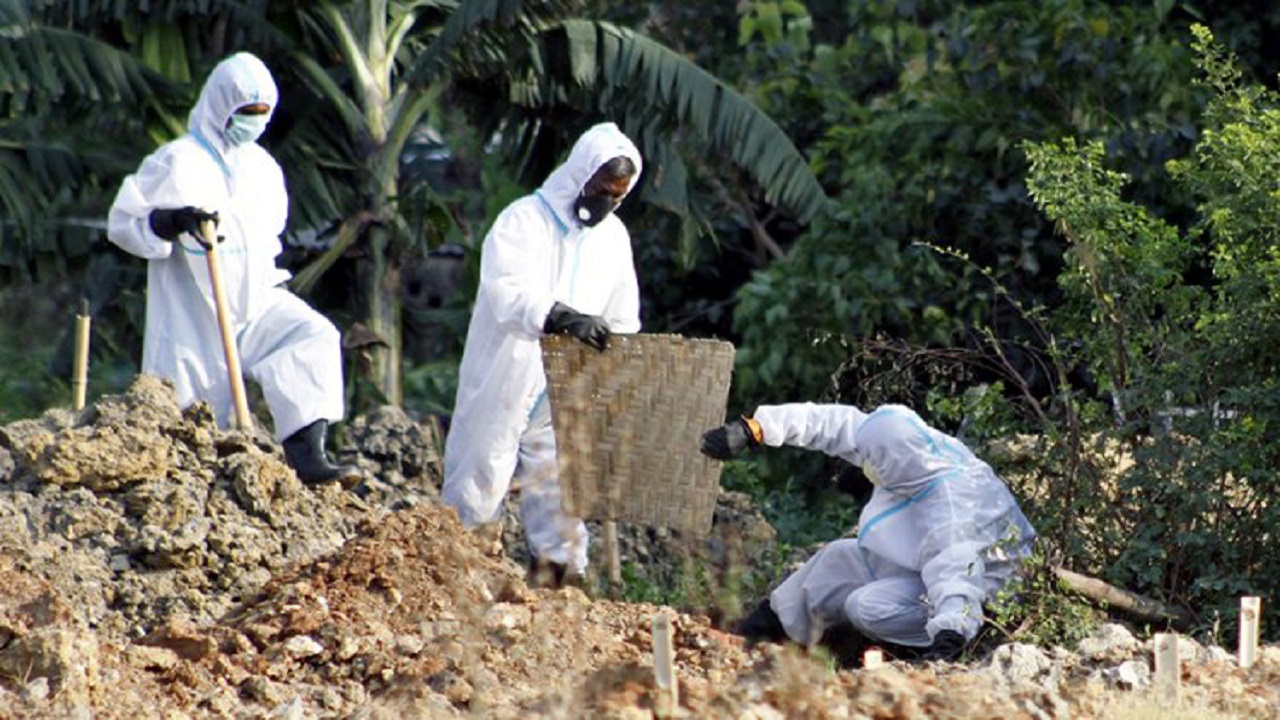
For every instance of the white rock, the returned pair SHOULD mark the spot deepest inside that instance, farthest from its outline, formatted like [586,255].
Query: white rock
[348,648]
[37,689]
[1110,641]
[1215,654]
[1129,675]
[759,711]
[291,710]
[506,616]
[409,644]
[302,646]
[1188,648]
[631,712]
[1269,655]
[1019,662]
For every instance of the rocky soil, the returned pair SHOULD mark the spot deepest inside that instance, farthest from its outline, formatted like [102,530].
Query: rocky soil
[154,566]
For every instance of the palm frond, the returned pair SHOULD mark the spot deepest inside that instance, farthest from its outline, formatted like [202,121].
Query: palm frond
[70,127]
[348,233]
[324,85]
[581,71]
[480,33]
[322,176]
[639,79]
[43,67]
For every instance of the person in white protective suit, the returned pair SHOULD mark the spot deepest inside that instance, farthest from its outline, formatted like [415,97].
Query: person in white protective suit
[218,172]
[555,261]
[940,534]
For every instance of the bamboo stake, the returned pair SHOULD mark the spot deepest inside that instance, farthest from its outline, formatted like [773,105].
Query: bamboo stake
[238,395]
[80,371]
[613,562]
[1250,616]
[664,671]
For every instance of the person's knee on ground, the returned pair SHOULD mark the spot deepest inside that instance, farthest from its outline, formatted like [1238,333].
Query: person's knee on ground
[304,451]
[892,610]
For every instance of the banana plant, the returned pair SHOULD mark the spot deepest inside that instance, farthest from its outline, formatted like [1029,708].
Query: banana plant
[358,78]
[530,72]
[63,96]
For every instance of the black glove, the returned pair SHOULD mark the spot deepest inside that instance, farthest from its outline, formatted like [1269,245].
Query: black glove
[587,328]
[169,223]
[947,645]
[731,439]
[852,481]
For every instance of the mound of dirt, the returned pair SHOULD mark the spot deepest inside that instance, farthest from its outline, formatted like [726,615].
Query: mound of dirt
[154,566]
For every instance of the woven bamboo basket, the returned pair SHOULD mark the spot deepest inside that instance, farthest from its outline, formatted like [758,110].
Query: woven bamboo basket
[629,423]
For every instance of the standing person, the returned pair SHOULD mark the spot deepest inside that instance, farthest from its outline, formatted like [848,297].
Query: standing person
[555,261]
[940,535]
[218,172]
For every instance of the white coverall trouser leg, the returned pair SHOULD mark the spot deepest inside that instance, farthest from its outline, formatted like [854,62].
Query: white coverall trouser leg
[295,354]
[837,585]
[552,534]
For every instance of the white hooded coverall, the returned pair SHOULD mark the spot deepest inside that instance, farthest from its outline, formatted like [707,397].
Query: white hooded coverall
[536,254]
[939,536]
[292,351]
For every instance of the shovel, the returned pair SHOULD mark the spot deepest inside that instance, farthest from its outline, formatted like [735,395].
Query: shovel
[238,395]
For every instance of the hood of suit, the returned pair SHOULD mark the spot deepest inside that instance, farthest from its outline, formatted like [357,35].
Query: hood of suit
[239,80]
[594,148]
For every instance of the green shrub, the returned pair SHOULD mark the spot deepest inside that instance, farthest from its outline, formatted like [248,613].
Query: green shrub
[1181,329]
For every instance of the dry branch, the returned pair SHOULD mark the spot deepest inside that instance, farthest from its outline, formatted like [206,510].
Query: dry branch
[1131,602]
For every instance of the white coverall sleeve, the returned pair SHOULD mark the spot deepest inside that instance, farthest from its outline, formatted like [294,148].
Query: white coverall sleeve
[622,313]
[828,428]
[168,178]
[953,573]
[975,540]
[128,222]
[509,271]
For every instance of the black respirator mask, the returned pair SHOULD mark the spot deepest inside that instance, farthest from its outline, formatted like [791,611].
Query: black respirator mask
[591,209]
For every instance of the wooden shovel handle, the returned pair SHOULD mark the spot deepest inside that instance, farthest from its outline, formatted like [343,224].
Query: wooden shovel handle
[238,395]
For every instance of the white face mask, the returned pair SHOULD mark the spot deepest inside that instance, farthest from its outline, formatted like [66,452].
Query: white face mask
[246,128]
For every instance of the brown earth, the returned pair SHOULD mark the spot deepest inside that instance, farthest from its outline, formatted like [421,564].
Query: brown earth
[154,566]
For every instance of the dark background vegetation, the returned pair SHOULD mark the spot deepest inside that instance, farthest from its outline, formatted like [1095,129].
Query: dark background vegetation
[1049,224]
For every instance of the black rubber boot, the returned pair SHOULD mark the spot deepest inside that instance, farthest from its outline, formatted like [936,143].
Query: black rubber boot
[553,575]
[762,625]
[304,451]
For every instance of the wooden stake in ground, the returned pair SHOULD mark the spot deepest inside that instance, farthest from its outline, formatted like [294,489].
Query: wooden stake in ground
[238,395]
[872,659]
[80,373]
[612,560]
[1168,680]
[664,667]
[1250,616]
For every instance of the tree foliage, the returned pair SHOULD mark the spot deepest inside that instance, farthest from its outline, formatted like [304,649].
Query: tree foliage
[1180,324]
[60,128]
[919,120]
